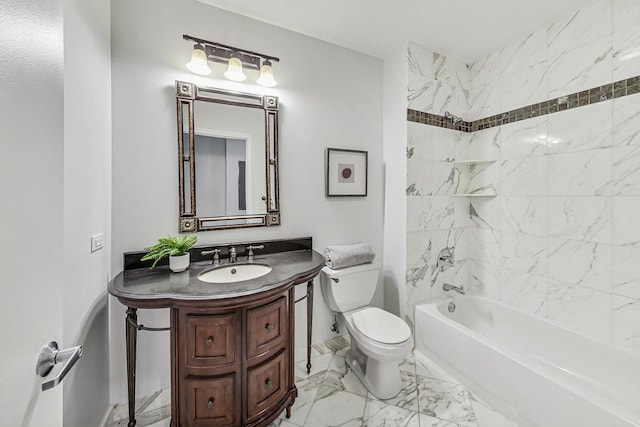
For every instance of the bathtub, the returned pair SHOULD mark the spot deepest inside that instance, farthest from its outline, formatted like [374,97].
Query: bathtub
[531,371]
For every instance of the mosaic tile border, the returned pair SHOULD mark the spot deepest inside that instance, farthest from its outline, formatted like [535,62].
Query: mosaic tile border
[594,95]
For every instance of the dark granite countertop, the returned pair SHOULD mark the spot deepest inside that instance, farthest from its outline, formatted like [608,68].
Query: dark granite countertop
[160,283]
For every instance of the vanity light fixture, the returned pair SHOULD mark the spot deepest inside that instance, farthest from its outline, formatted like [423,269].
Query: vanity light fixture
[236,59]
[198,63]
[234,71]
[266,75]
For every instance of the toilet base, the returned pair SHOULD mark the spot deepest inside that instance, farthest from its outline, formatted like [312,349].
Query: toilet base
[380,377]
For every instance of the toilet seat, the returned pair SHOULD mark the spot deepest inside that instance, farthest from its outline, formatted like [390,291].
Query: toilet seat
[381,326]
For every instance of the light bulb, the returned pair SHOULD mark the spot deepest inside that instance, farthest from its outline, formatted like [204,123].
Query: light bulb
[266,75]
[234,71]
[198,63]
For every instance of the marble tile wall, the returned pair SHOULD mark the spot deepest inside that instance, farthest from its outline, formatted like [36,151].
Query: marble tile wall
[436,85]
[562,238]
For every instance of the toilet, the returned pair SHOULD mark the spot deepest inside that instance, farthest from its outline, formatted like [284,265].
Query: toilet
[379,340]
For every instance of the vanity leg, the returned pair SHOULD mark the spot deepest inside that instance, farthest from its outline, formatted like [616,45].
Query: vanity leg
[132,338]
[309,322]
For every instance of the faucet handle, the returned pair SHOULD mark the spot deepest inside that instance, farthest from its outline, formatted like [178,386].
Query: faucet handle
[216,255]
[445,259]
[250,248]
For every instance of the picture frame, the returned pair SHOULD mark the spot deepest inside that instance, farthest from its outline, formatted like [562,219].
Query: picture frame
[346,173]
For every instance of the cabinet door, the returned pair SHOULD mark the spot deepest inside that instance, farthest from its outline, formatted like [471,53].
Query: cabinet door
[266,385]
[212,402]
[211,340]
[267,327]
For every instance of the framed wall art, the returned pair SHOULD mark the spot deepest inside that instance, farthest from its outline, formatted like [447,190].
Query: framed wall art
[346,173]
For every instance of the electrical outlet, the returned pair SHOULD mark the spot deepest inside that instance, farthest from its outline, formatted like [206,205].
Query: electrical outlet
[97,242]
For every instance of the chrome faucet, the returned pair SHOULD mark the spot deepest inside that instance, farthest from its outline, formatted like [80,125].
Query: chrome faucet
[458,289]
[250,248]
[216,255]
[445,259]
[233,257]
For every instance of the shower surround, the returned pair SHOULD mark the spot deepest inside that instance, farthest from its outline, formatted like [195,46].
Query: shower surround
[561,239]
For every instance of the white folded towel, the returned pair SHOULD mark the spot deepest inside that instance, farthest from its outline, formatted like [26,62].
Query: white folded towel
[342,256]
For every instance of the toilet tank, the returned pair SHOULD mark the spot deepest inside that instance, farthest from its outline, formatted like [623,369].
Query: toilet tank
[349,288]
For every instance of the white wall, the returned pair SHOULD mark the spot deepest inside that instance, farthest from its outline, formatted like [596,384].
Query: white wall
[31,188]
[395,179]
[87,202]
[330,97]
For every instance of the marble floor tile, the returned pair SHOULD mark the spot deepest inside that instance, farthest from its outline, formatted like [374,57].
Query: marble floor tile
[332,395]
[319,363]
[121,410]
[164,423]
[378,413]
[408,396]
[341,408]
[427,421]
[282,421]
[307,392]
[158,417]
[151,410]
[446,401]
[340,378]
[408,364]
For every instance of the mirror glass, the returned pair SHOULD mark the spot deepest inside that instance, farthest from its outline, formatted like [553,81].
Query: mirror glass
[228,167]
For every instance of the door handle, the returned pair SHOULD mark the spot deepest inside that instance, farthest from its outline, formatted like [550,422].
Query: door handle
[52,355]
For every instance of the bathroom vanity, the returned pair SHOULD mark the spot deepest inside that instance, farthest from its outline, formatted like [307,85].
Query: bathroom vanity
[232,344]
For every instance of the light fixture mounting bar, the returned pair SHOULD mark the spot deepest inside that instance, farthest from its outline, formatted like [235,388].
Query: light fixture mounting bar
[219,52]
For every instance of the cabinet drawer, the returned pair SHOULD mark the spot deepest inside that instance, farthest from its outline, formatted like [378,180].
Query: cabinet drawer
[267,327]
[212,402]
[266,385]
[211,340]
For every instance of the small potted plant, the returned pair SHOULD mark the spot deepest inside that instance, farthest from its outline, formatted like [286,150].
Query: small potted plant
[176,247]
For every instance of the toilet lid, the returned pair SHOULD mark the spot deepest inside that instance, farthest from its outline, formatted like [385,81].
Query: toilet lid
[381,326]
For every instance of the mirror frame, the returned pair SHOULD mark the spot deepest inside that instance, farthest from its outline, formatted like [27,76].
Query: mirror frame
[186,94]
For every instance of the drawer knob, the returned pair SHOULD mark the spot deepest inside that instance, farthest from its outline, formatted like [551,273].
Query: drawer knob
[269,327]
[209,341]
[210,403]
[269,383]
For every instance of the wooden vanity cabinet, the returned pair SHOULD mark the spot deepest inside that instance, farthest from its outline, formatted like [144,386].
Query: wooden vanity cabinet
[233,360]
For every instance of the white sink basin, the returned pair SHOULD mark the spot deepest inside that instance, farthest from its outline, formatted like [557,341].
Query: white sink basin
[234,273]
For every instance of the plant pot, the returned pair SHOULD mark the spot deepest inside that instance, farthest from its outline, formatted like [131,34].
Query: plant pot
[179,263]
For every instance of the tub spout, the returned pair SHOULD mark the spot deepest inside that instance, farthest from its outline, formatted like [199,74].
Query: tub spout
[458,289]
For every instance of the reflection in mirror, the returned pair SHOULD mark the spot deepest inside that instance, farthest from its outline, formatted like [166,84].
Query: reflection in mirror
[228,142]
[230,160]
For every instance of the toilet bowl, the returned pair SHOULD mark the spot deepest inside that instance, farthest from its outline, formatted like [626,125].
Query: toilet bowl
[379,369]
[379,340]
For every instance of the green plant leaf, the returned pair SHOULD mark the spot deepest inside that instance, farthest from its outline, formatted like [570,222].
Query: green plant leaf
[171,245]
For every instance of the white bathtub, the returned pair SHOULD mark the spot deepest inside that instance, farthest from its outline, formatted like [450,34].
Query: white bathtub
[532,371]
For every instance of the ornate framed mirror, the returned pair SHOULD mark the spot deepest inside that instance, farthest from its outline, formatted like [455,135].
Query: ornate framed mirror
[227,159]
